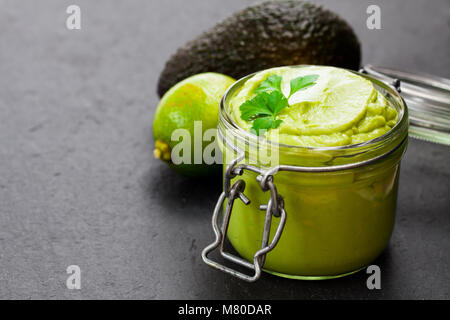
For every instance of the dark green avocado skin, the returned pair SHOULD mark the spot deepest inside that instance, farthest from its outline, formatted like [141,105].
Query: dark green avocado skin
[266,35]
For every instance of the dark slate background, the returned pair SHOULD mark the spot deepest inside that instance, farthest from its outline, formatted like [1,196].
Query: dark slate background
[79,185]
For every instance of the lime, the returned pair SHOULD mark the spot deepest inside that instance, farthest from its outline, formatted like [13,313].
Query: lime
[184,114]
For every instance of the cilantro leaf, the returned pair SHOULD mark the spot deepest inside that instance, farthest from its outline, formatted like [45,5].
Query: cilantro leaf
[277,102]
[261,125]
[272,83]
[302,83]
[254,108]
[264,104]
[264,108]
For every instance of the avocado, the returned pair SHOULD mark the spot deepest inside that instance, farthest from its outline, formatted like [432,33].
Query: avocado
[266,35]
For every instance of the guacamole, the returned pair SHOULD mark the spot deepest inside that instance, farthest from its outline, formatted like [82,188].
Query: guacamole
[336,222]
[340,109]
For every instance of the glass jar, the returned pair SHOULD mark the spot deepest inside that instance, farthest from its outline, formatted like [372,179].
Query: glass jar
[329,212]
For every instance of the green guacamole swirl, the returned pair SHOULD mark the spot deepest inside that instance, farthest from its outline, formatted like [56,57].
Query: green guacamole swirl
[341,109]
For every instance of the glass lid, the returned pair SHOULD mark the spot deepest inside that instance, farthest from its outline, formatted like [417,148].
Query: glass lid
[427,98]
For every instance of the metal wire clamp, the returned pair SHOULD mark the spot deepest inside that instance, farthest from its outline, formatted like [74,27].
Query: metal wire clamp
[274,207]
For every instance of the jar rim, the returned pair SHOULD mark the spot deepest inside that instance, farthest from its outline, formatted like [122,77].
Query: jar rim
[389,92]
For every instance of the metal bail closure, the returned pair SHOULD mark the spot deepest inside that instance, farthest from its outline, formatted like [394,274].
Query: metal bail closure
[275,207]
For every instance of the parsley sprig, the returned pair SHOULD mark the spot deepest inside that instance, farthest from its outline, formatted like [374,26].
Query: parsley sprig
[269,101]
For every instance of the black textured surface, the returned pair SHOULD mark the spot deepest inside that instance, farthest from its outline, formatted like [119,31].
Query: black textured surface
[267,35]
[78,184]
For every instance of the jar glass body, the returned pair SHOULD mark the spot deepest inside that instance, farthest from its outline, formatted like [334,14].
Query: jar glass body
[337,220]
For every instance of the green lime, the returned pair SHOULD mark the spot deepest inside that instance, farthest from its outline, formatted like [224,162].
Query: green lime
[185,116]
